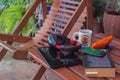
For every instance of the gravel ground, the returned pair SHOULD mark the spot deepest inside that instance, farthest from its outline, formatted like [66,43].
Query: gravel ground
[11,69]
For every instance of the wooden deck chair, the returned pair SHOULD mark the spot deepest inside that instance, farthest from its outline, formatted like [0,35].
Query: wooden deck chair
[64,15]
[52,22]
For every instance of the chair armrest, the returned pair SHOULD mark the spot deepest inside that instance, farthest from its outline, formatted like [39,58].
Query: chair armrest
[10,48]
[14,38]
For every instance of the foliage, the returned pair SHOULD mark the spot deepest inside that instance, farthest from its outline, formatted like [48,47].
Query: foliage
[3,5]
[98,9]
[116,7]
[49,2]
[11,16]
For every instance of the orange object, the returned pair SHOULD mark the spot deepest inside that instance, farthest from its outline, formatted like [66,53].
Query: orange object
[102,43]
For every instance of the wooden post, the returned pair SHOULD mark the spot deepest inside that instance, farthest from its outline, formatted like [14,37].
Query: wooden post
[89,14]
[44,9]
[39,73]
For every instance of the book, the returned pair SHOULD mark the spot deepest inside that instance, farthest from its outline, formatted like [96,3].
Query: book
[99,66]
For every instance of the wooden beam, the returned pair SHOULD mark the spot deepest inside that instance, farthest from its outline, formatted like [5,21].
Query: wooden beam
[74,18]
[89,14]
[14,50]
[8,47]
[14,38]
[39,73]
[44,9]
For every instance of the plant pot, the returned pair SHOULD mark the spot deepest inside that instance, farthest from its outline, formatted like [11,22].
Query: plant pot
[97,27]
[111,24]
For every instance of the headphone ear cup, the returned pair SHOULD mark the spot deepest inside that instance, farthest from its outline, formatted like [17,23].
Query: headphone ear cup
[60,39]
[52,39]
[57,39]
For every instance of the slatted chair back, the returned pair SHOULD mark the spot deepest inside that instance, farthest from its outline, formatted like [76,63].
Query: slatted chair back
[61,14]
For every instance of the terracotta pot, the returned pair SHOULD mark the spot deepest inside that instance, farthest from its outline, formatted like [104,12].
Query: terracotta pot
[111,24]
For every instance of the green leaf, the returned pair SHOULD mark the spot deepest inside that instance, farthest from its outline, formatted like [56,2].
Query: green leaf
[11,16]
[107,3]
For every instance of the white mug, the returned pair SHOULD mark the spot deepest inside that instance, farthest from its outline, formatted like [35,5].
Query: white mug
[84,37]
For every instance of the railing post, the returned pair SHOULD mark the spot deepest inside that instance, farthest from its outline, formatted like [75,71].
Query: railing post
[89,14]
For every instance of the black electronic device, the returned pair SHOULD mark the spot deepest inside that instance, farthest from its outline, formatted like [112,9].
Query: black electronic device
[61,51]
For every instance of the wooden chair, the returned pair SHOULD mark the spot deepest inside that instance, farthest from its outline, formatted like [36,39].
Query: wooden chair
[66,12]
[65,17]
[72,21]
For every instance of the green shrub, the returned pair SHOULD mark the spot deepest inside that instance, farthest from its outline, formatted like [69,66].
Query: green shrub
[12,15]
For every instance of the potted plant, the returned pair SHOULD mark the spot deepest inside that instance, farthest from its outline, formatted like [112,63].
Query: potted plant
[111,19]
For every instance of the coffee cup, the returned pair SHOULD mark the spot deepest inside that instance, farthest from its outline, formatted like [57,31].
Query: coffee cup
[84,37]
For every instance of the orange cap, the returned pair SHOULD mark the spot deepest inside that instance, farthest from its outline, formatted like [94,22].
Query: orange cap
[102,43]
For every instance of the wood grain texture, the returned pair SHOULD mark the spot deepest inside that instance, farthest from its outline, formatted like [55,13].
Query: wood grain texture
[74,18]
[63,73]
[39,73]
[14,38]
